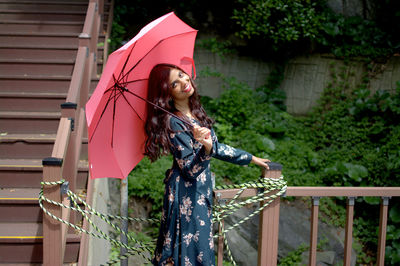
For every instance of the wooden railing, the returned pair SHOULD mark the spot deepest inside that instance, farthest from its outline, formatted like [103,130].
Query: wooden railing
[63,163]
[269,218]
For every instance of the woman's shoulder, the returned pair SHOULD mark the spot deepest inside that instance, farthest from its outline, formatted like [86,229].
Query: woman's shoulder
[176,124]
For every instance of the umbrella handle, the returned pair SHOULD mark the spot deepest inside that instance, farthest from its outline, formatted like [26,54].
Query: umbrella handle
[193,66]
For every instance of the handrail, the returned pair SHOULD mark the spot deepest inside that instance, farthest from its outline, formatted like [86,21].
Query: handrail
[107,36]
[343,191]
[73,97]
[65,155]
[269,219]
[322,192]
[61,143]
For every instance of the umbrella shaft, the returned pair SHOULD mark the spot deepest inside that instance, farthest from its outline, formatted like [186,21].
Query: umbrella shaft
[159,107]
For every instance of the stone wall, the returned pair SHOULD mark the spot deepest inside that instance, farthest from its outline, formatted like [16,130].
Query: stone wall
[304,80]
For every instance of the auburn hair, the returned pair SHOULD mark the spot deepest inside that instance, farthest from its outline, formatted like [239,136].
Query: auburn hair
[157,125]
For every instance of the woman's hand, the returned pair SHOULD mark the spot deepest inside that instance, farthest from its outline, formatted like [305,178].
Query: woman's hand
[260,162]
[203,135]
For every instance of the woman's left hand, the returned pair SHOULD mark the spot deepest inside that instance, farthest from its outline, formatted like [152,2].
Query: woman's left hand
[260,162]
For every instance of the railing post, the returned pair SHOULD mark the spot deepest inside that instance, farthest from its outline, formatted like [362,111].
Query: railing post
[269,224]
[53,252]
[54,236]
[349,231]
[124,223]
[382,231]
[314,231]
[220,248]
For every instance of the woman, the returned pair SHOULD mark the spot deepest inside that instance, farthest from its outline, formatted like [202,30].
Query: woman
[185,236]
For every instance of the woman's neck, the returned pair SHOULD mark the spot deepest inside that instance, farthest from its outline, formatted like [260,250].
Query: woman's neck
[183,108]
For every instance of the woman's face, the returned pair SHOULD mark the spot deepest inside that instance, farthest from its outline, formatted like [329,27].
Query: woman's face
[180,85]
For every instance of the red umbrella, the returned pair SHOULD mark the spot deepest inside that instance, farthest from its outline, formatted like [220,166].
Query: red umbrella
[115,112]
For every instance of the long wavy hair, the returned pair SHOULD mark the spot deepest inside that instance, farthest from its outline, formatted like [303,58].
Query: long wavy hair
[157,126]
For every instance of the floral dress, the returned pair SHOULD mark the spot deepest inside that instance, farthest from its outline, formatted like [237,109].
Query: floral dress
[186,236]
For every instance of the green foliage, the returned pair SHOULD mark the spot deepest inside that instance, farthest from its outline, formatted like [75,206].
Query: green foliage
[392,252]
[279,21]
[353,36]
[293,257]
[221,48]
[356,135]
[139,236]
[146,181]
[270,28]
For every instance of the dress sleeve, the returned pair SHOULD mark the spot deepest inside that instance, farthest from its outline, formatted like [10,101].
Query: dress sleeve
[191,160]
[229,154]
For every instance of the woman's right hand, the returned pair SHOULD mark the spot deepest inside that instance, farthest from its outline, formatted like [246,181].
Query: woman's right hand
[203,135]
[260,162]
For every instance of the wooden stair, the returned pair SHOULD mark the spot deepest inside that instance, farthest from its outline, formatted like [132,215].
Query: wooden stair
[38,46]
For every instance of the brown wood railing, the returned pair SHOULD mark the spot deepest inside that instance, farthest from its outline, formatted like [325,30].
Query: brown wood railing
[269,218]
[63,163]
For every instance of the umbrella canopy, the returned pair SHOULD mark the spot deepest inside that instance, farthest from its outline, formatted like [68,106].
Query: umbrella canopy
[116,112]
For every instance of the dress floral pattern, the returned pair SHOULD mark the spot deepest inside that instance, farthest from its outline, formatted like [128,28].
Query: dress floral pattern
[186,236]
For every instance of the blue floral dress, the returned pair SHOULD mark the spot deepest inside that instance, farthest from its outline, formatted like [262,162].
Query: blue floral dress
[186,236]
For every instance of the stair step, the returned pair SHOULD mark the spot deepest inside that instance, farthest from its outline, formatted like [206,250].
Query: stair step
[33,146]
[35,122]
[31,101]
[48,38]
[37,53]
[44,5]
[22,205]
[42,15]
[32,115]
[36,67]
[43,84]
[35,27]
[28,173]
[44,46]
[22,243]
[36,83]
[19,195]
[20,146]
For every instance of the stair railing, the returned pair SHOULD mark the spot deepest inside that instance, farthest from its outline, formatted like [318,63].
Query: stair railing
[63,163]
[269,219]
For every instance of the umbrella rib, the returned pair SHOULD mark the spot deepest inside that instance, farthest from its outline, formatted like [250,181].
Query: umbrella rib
[126,61]
[113,120]
[122,90]
[129,71]
[102,113]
